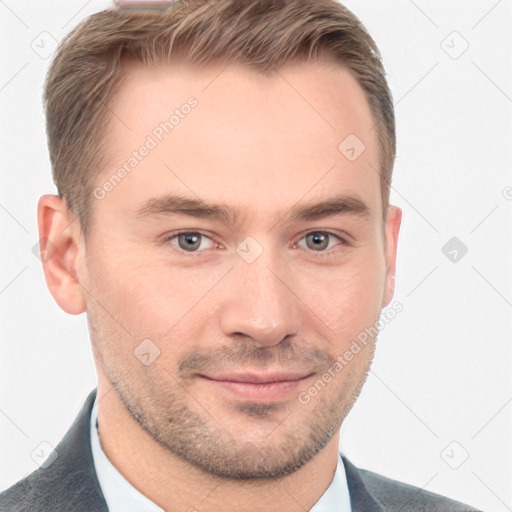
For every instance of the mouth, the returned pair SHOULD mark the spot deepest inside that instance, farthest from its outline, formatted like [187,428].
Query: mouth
[257,385]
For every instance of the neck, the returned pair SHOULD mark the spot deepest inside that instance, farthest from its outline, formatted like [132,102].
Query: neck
[174,484]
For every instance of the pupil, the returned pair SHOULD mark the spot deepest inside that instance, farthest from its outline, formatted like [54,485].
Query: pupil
[319,240]
[191,242]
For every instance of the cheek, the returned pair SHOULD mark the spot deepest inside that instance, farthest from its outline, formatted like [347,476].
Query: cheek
[152,298]
[348,297]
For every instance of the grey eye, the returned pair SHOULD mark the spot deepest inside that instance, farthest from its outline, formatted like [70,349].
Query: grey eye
[317,241]
[189,241]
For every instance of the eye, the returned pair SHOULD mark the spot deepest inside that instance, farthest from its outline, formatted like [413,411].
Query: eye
[320,241]
[190,241]
[195,241]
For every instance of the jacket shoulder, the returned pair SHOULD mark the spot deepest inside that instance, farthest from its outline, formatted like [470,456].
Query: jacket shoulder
[67,483]
[393,494]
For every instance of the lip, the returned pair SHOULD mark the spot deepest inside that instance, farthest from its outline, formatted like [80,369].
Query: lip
[258,377]
[258,386]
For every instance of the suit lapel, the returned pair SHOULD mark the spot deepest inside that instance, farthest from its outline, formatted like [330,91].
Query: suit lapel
[361,499]
[72,475]
[71,484]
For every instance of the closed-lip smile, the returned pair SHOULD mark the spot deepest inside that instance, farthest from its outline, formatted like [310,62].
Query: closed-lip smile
[254,385]
[258,378]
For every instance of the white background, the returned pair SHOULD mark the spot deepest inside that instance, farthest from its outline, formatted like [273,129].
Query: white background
[442,371]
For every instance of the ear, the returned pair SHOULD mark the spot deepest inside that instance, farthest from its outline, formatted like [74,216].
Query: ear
[59,245]
[391,230]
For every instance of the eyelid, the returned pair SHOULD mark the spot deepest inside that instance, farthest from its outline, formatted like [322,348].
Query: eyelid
[168,237]
[173,234]
[343,240]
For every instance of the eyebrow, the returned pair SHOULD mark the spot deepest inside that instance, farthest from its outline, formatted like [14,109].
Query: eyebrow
[173,204]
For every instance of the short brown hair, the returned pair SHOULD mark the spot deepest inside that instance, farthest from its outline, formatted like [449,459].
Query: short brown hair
[262,34]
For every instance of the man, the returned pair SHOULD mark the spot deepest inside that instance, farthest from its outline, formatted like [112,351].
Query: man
[223,218]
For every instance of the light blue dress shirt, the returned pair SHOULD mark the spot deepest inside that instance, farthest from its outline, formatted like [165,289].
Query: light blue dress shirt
[121,496]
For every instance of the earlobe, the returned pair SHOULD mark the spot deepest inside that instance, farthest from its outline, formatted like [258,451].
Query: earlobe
[59,244]
[392,230]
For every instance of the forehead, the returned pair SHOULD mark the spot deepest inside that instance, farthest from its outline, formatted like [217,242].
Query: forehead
[229,133]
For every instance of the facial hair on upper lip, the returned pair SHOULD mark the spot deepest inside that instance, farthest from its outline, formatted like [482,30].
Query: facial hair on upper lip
[284,358]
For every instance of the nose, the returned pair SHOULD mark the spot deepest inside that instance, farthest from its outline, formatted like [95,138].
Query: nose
[259,304]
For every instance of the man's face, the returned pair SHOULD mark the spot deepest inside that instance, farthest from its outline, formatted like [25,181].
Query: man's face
[269,291]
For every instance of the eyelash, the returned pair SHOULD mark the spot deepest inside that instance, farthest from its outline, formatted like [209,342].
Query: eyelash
[324,253]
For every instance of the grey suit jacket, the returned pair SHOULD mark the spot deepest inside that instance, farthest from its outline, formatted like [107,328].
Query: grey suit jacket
[70,484]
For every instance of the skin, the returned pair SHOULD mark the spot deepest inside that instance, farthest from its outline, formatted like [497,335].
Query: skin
[262,145]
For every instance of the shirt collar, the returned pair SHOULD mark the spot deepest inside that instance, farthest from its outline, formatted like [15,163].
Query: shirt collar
[121,496]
